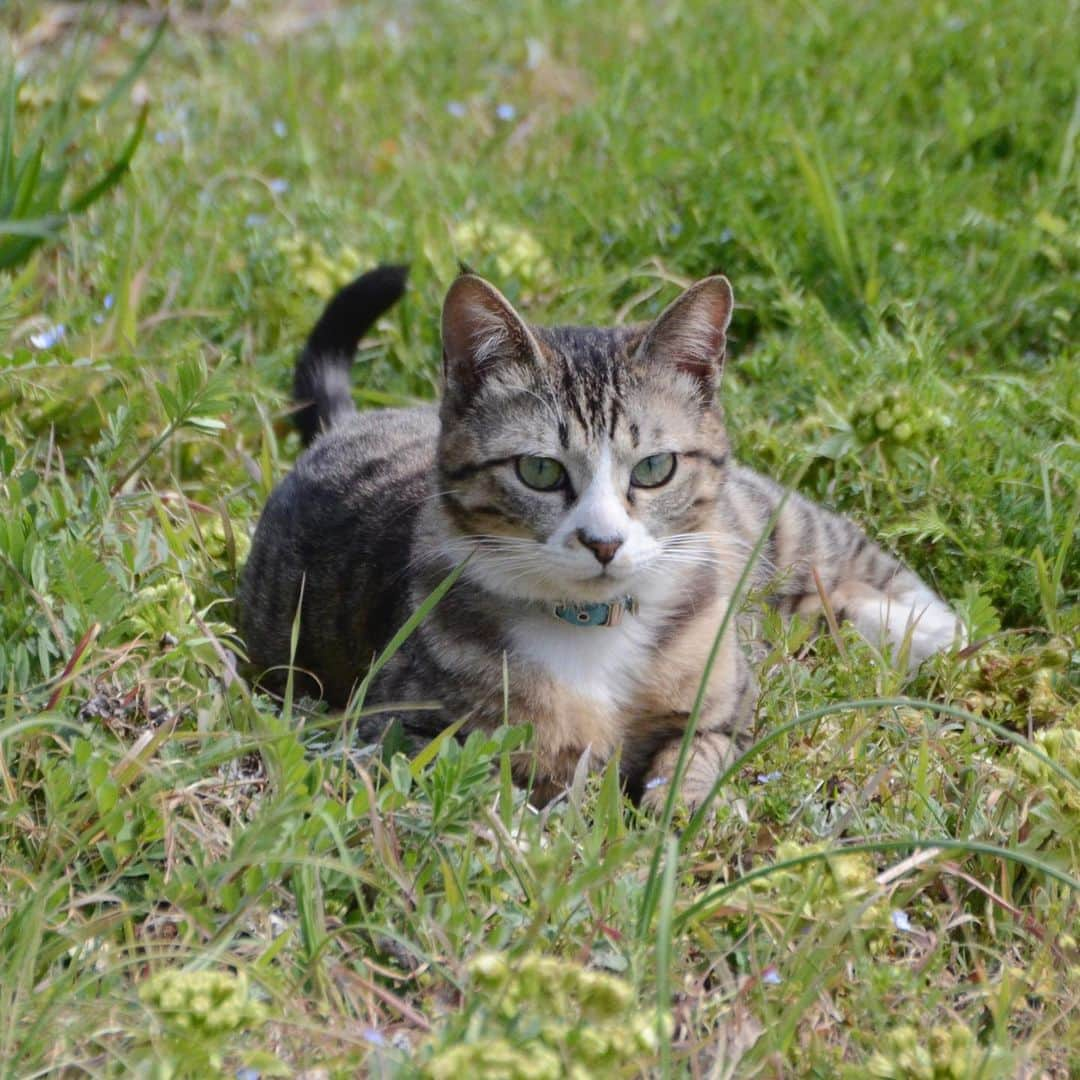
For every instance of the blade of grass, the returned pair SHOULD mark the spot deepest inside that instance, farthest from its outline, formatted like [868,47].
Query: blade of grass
[356,705]
[650,894]
[118,88]
[702,907]
[826,202]
[115,172]
[665,951]
[407,628]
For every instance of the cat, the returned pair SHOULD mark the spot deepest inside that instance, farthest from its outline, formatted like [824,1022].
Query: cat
[583,476]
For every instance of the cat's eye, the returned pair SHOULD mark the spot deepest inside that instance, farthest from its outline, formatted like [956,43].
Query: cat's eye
[541,473]
[653,471]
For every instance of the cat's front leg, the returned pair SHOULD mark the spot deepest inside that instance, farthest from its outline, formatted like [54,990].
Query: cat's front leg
[652,758]
[666,698]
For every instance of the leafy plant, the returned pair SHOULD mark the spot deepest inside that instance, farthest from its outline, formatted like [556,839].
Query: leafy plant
[35,200]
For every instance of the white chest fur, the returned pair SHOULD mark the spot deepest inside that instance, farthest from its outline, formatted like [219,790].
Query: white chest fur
[602,663]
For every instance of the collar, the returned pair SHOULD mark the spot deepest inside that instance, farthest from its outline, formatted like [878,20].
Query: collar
[596,614]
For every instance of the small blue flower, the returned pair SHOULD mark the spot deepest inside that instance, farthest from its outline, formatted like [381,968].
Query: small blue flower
[374,1037]
[655,782]
[108,302]
[278,186]
[769,777]
[506,112]
[49,337]
[901,921]
[279,129]
[253,221]
[456,109]
[771,977]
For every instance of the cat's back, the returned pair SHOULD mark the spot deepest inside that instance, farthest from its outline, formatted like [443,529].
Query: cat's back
[369,454]
[340,526]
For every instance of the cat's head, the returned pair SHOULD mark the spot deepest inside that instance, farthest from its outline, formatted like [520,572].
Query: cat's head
[577,463]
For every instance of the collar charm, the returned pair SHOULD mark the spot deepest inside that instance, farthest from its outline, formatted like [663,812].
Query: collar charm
[596,614]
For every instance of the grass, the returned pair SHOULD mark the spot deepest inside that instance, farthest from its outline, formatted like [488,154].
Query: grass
[192,882]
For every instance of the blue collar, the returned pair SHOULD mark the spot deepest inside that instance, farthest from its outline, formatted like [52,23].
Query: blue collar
[596,614]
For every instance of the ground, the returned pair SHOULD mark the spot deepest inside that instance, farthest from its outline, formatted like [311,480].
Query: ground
[195,882]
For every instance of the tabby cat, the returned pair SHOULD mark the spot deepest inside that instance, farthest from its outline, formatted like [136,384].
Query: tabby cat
[584,476]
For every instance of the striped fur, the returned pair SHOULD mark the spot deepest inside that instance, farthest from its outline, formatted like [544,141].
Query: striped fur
[385,504]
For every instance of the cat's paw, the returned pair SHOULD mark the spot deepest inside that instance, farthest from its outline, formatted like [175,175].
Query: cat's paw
[654,796]
[693,792]
[711,755]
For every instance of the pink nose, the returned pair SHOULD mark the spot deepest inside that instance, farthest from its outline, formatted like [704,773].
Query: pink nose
[604,550]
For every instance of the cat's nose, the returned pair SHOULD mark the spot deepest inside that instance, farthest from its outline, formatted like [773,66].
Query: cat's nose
[604,550]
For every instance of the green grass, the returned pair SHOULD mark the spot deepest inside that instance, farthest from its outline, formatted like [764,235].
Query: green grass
[894,192]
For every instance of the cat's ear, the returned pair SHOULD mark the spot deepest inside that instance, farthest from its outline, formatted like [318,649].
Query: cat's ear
[691,332]
[480,331]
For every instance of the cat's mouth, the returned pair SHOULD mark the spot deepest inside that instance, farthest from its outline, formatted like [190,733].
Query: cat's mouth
[603,585]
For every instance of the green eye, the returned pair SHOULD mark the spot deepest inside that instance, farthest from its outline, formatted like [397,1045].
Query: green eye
[541,473]
[653,471]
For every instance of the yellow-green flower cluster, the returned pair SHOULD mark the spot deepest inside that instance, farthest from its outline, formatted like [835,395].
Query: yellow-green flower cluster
[893,417]
[1062,746]
[172,591]
[515,252]
[207,1003]
[216,543]
[828,889]
[164,607]
[950,1053]
[44,97]
[542,1018]
[1022,684]
[314,269]
[491,1058]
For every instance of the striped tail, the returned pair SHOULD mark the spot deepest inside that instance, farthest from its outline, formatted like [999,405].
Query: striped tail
[321,387]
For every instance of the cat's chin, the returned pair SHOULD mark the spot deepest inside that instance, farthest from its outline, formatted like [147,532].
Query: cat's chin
[596,590]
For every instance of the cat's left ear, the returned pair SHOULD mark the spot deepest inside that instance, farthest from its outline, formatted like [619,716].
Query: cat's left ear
[690,334]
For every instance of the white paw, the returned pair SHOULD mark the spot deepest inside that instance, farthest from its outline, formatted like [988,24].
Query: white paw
[655,794]
[920,620]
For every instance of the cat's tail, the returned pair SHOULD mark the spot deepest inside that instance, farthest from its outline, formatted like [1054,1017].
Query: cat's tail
[321,386]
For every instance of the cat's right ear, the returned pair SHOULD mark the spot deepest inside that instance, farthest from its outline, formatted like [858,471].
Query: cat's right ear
[480,332]
[690,334]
